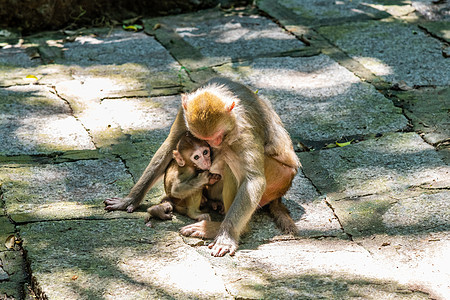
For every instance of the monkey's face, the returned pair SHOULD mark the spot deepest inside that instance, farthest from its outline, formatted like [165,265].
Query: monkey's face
[215,140]
[201,158]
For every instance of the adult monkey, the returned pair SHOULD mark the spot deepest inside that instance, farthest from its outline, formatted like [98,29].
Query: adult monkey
[258,162]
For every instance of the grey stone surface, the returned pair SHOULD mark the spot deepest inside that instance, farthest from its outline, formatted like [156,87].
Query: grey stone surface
[418,258]
[317,12]
[372,216]
[34,120]
[222,39]
[7,230]
[62,191]
[428,111]
[392,164]
[440,29]
[316,98]
[433,10]
[13,275]
[394,50]
[116,259]
[15,56]
[309,269]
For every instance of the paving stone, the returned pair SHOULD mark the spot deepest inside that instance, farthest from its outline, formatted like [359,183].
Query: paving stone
[428,111]
[319,12]
[407,214]
[432,10]
[63,191]
[116,259]
[393,184]
[15,56]
[419,257]
[392,164]
[316,98]
[7,230]
[438,28]
[13,276]
[309,211]
[309,269]
[396,51]
[221,39]
[33,120]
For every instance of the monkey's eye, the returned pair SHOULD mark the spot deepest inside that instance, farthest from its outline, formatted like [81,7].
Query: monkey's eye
[205,152]
[196,157]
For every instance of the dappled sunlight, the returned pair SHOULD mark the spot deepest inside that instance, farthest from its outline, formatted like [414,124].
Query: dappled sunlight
[377,66]
[91,88]
[57,133]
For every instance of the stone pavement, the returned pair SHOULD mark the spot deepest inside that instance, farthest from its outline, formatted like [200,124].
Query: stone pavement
[363,88]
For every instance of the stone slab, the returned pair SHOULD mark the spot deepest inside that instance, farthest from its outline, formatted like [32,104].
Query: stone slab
[433,10]
[33,120]
[309,269]
[318,12]
[63,191]
[395,184]
[15,56]
[428,111]
[309,210]
[438,28]
[419,258]
[221,39]
[7,230]
[392,163]
[407,214]
[13,275]
[396,51]
[317,99]
[116,259]
[118,63]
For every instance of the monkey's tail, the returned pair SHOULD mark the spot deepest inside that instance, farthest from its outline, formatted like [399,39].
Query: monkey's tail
[282,217]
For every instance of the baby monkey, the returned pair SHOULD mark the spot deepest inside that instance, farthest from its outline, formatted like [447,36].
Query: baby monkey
[184,180]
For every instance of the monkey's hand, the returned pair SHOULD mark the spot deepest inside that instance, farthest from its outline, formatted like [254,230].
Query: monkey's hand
[213,178]
[223,244]
[119,204]
[203,229]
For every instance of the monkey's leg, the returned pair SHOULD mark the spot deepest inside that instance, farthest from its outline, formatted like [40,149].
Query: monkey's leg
[282,218]
[278,180]
[193,203]
[161,211]
[153,172]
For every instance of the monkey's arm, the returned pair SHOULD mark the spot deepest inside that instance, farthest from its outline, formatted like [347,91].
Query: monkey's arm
[186,188]
[153,172]
[243,198]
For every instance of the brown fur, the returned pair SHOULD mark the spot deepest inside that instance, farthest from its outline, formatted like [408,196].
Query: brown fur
[251,137]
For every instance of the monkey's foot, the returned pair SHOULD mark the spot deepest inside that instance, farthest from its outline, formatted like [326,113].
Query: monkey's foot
[203,229]
[112,204]
[203,217]
[222,245]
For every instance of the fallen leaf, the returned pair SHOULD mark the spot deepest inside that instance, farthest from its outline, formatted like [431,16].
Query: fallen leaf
[74,277]
[134,27]
[344,144]
[31,77]
[10,241]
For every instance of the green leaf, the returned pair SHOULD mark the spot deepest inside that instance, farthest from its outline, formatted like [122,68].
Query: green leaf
[344,144]
[134,27]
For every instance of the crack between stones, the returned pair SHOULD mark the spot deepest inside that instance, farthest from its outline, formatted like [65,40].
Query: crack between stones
[73,115]
[350,237]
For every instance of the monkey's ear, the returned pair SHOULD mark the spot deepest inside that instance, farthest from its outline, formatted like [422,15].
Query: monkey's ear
[178,158]
[231,106]
[184,101]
